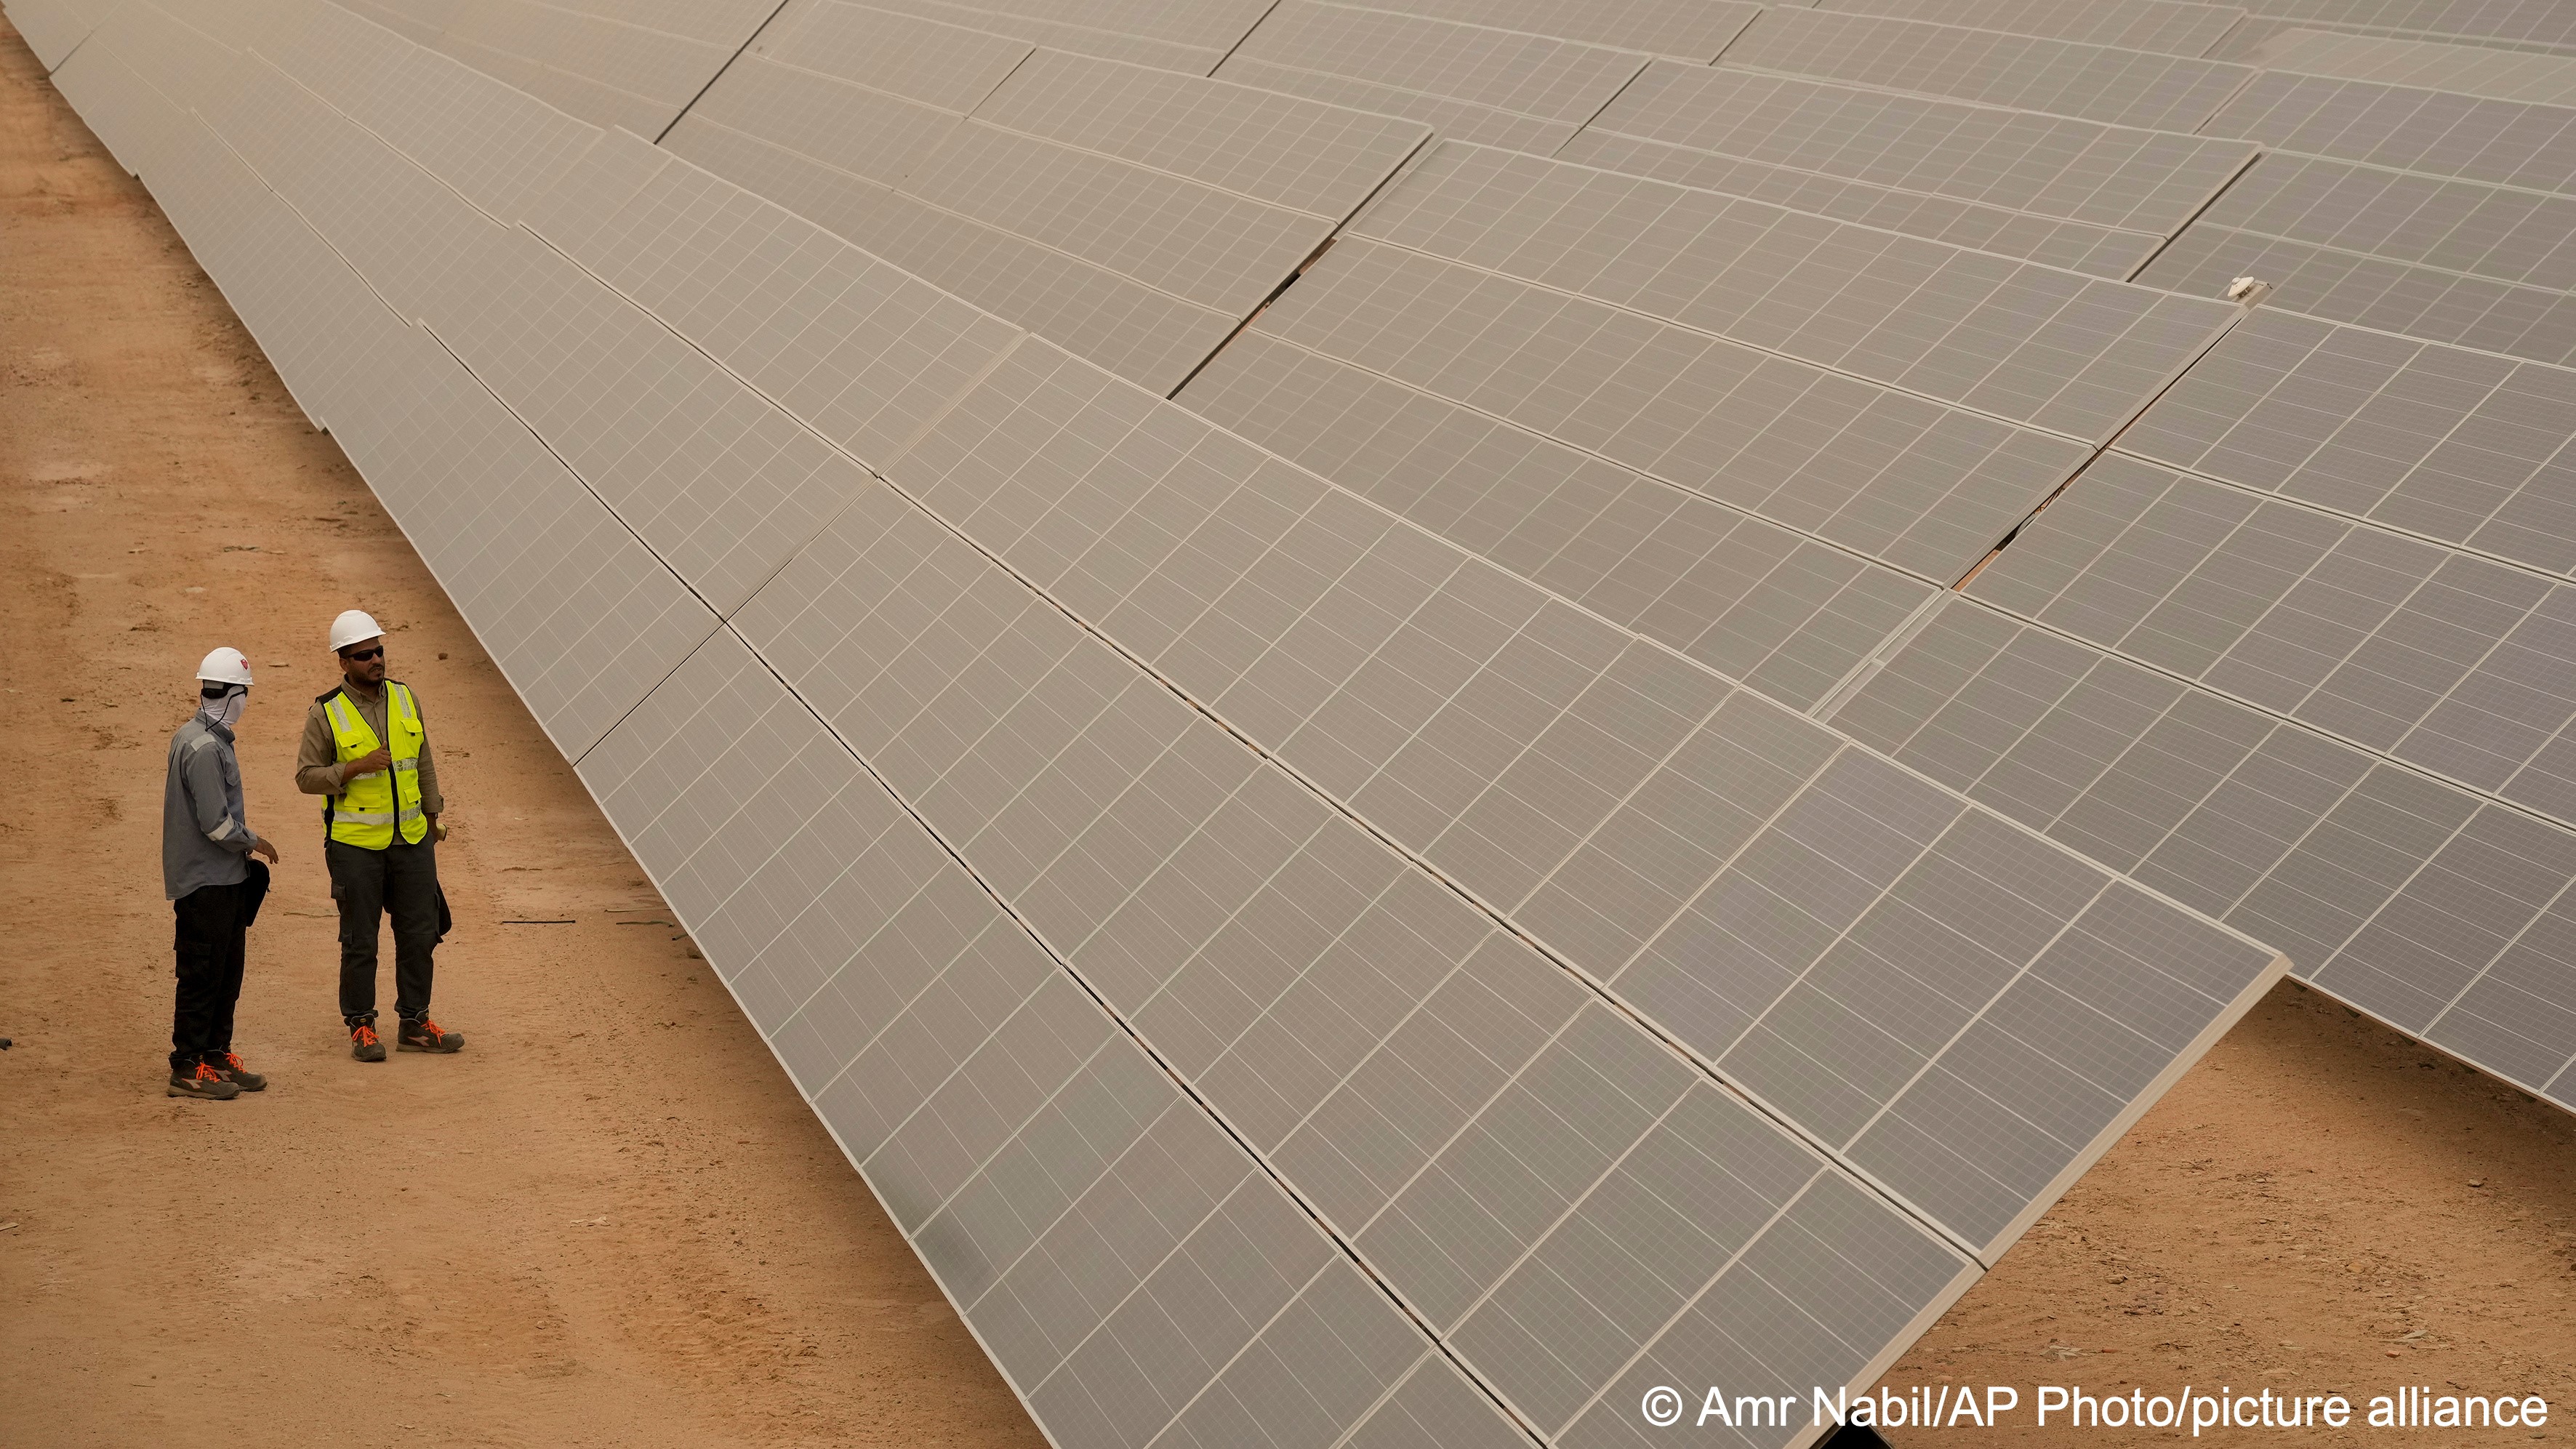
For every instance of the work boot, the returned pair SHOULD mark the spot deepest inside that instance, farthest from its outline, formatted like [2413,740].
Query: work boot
[228,1065]
[363,1043]
[201,1081]
[424,1036]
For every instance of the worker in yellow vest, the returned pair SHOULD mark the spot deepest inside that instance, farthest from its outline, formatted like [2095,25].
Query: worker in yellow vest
[367,750]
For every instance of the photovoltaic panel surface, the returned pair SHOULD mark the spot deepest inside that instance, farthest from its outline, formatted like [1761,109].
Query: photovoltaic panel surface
[53,28]
[2254,32]
[2173,27]
[2502,75]
[2120,176]
[2441,133]
[2073,354]
[2059,77]
[1694,30]
[2441,912]
[2432,257]
[1085,37]
[2533,20]
[631,63]
[2461,447]
[1134,215]
[1471,83]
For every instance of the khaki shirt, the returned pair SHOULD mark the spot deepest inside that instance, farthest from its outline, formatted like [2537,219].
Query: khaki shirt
[317,759]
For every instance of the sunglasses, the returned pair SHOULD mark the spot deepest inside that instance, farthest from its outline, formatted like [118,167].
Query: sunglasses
[365,654]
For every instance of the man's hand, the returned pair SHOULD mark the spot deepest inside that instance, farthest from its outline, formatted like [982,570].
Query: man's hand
[437,831]
[373,760]
[264,850]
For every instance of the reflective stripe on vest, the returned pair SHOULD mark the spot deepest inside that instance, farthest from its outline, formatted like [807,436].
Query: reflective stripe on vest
[375,804]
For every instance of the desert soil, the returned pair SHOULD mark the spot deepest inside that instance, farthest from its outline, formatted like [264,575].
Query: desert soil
[611,1220]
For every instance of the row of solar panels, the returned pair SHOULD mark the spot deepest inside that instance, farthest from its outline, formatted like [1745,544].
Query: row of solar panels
[1175,879]
[1769,438]
[2286,650]
[2410,186]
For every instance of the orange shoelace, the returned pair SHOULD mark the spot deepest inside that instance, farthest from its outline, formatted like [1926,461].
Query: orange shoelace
[363,1034]
[429,1029]
[233,1061]
[205,1073]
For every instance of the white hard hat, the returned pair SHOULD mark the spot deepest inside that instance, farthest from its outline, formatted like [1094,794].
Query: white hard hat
[225,666]
[353,627]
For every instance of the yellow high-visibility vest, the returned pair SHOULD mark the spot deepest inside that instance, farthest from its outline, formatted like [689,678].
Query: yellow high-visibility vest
[376,804]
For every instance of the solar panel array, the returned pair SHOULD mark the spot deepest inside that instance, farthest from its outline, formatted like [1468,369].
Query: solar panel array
[1414,714]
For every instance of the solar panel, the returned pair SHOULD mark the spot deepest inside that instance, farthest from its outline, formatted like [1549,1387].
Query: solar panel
[2445,660]
[2095,250]
[2440,259]
[500,147]
[2536,20]
[2073,354]
[862,352]
[2251,34]
[1079,38]
[54,28]
[2173,27]
[631,63]
[1694,30]
[2502,75]
[2411,898]
[2510,143]
[2462,447]
[1036,205]
[2060,77]
[1787,614]
[2073,170]
[1468,82]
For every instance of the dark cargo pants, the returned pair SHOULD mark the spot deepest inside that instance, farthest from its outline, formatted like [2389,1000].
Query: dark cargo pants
[401,878]
[211,938]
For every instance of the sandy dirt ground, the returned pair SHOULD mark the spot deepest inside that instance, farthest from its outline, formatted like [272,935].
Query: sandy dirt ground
[611,1220]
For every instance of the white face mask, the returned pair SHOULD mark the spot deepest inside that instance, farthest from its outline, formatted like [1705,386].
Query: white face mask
[227,711]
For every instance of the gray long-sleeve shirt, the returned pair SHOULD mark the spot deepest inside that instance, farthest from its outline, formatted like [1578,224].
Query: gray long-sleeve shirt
[205,833]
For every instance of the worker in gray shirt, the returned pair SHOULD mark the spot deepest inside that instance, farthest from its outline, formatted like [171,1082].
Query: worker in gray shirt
[214,886]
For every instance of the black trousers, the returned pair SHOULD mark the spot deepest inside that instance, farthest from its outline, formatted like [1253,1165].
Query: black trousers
[401,878]
[212,937]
